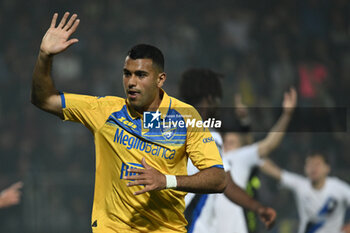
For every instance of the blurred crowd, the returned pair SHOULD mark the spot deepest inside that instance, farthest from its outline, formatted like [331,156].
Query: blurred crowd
[262,47]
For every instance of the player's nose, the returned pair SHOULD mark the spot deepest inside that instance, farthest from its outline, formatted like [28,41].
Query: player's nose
[132,82]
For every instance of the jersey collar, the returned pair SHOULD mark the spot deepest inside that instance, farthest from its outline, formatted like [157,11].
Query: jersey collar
[163,108]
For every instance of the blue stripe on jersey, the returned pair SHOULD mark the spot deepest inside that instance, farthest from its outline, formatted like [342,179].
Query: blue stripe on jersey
[63,100]
[312,228]
[162,135]
[197,212]
[136,164]
[327,208]
[133,126]
[218,166]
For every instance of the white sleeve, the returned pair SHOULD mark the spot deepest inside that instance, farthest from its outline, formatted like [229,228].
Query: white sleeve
[227,164]
[291,180]
[345,190]
[247,156]
[191,169]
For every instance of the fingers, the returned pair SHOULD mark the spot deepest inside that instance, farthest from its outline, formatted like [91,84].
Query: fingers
[17,185]
[144,164]
[75,26]
[71,26]
[63,20]
[53,21]
[138,183]
[145,190]
[136,177]
[71,41]
[70,22]
[268,217]
[136,170]
[293,94]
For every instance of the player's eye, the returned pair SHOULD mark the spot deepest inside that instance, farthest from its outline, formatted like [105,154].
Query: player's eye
[126,73]
[141,74]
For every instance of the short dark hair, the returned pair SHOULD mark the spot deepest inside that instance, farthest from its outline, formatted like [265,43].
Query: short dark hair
[197,84]
[320,154]
[147,51]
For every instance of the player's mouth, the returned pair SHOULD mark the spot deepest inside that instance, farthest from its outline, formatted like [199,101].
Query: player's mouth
[132,94]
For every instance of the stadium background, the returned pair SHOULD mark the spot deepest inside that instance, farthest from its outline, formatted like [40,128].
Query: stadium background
[261,46]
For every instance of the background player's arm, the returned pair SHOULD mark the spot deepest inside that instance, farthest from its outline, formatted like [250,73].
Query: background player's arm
[56,40]
[346,228]
[11,195]
[210,180]
[276,134]
[233,192]
[271,169]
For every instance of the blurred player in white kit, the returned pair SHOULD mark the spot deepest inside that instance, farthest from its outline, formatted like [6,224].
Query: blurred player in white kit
[202,88]
[321,200]
[239,161]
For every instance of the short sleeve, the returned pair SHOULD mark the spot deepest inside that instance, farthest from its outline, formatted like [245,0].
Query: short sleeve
[227,164]
[91,111]
[345,190]
[201,147]
[292,181]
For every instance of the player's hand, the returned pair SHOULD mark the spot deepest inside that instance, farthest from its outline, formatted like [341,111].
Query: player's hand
[346,228]
[240,108]
[267,215]
[290,100]
[150,177]
[11,196]
[56,39]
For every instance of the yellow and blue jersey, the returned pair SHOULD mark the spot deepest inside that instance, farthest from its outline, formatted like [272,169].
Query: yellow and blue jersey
[121,142]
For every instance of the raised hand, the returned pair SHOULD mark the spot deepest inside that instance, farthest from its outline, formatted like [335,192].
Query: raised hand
[150,177]
[268,216]
[56,39]
[290,100]
[11,195]
[240,108]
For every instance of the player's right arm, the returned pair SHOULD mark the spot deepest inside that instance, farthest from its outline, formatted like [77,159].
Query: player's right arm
[271,169]
[276,134]
[44,94]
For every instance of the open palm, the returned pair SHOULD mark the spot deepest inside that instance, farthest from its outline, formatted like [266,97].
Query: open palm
[56,39]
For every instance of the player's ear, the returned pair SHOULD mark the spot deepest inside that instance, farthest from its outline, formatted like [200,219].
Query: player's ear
[161,79]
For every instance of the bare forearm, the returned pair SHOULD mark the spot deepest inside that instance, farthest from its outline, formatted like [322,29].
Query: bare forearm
[275,136]
[271,169]
[42,83]
[237,195]
[210,180]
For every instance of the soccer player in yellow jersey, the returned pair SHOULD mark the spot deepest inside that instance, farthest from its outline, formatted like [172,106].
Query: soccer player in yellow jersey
[141,176]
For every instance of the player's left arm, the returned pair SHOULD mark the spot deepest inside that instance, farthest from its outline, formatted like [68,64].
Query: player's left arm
[276,134]
[209,180]
[237,195]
